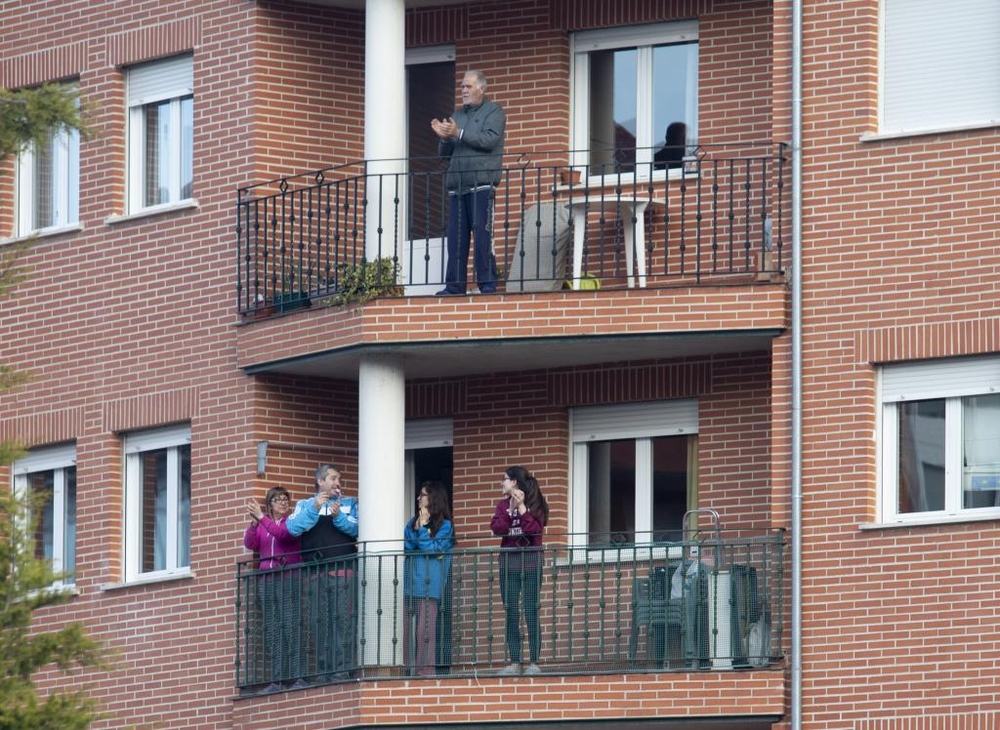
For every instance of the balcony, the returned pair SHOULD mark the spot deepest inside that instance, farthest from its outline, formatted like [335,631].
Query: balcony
[376,228]
[699,605]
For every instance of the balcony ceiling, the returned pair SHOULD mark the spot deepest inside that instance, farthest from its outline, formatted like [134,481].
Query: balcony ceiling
[744,722]
[360,4]
[455,359]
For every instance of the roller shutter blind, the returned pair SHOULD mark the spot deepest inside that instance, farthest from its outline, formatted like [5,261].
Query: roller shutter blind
[635,420]
[170,78]
[940,379]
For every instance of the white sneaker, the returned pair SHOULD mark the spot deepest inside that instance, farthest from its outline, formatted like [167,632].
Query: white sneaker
[510,670]
[533,669]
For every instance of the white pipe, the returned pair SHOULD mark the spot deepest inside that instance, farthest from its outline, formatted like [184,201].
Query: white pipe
[796,282]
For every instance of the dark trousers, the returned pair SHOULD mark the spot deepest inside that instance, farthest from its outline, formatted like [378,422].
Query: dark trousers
[280,613]
[471,214]
[519,578]
[331,619]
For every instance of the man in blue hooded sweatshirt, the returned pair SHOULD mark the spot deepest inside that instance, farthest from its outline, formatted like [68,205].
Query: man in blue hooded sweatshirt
[328,526]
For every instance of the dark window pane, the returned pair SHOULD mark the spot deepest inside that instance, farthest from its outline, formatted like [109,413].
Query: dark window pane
[611,491]
[184,509]
[670,486]
[69,546]
[187,148]
[153,478]
[921,456]
[675,88]
[613,110]
[40,486]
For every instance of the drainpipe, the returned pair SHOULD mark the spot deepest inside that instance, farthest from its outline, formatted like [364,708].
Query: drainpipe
[796,233]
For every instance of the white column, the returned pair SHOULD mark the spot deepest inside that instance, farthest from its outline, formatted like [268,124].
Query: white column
[381,434]
[385,126]
[383,508]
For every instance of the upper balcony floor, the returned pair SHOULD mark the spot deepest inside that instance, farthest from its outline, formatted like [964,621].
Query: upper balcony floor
[687,237]
[696,249]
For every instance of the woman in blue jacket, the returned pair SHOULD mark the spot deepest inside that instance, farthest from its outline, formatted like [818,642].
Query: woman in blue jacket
[429,537]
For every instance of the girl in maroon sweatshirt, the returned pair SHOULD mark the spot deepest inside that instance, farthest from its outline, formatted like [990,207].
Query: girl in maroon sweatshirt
[519,520]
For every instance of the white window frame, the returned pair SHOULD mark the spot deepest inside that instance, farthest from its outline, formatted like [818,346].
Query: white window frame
[939,65]
[643,38]
[640,421]
[171,438]
[55,459]
[950,380]
[64,149]
[172,80]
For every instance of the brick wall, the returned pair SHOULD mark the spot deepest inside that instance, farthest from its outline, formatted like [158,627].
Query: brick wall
[128,324]
[900,254]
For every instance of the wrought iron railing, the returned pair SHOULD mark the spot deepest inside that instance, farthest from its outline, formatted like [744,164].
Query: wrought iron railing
[374,227]
[711,604]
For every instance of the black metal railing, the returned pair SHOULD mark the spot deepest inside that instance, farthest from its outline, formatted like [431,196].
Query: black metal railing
[699,604]
[367,228]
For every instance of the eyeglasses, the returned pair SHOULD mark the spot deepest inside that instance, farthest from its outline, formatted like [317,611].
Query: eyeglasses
[280,499]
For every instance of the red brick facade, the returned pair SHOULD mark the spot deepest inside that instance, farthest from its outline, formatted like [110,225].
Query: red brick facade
[129,323]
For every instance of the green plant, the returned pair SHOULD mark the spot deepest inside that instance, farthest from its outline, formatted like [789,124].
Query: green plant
[368,280]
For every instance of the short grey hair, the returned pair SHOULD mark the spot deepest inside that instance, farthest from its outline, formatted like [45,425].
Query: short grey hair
[480,78]
[321,471]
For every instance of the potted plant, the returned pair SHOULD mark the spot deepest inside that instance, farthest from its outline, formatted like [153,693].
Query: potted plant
[368,280]
[294,290]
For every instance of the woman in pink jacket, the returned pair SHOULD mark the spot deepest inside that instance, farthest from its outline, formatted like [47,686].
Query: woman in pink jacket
[277,585]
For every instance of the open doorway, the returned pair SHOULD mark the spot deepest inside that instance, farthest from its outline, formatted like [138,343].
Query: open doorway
[429,457]
[430,93]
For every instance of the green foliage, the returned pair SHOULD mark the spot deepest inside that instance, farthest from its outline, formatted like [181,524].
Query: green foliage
[368,280]
[26,585]
[31,116]
[26,582]
[11,272]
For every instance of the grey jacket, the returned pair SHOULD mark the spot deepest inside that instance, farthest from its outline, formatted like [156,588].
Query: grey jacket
[477,157]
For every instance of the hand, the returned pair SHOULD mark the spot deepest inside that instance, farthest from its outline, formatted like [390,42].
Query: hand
[516,498]
[256,513]
[423,517]
[321,499]
[445,129]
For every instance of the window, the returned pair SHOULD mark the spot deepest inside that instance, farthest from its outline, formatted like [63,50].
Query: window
[48,184]
[48,478]
[634,471]
[629,84]
[940,64]
[940,439]
[157,502]
[160,132]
